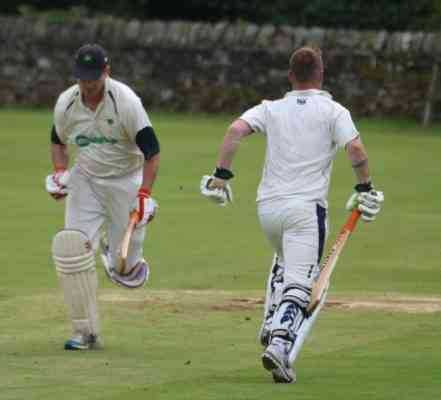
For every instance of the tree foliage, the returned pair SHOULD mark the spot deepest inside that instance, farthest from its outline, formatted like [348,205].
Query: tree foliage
[390,15]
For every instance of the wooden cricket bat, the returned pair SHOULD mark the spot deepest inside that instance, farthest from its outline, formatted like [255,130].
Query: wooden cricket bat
[125,244]
[331,260]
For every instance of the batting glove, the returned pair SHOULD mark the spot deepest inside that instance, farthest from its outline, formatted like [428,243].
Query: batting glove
[145,206]
[216,187]
[367,200]
[56,183]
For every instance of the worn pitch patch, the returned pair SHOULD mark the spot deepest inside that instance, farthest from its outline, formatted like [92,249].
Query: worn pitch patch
[413,305]
[231,301]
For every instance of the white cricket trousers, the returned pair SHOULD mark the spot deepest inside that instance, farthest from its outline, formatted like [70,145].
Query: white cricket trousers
[297,232]
[94,201]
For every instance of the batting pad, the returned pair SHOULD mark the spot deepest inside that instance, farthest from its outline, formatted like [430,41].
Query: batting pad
[305,329]
[75,265]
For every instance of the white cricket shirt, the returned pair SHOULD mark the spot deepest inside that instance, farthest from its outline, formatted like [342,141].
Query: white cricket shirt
[105,138]
[303,131]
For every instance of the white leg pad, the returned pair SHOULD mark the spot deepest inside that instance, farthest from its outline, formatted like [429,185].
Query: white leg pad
[305,329]
[274,288]
[273,296]
[75,265]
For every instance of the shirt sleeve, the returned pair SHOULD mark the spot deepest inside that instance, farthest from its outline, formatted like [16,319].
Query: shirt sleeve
[147,142]
[344,129]
[54,136]
[59,121]
[256,118]
[137,118]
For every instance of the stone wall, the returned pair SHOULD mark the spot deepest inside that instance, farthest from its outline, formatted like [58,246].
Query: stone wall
[217,67]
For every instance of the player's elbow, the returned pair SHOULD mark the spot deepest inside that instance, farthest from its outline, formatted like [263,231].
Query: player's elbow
[356,150]
[239,128]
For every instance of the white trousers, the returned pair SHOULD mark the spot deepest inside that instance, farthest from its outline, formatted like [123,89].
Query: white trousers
[297,232]
[93,202]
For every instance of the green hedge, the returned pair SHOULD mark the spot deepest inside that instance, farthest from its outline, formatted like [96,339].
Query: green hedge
[392,15]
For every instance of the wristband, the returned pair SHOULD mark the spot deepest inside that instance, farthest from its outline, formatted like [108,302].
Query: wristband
[223,173]
[144,193]
[59,168]
[363,187]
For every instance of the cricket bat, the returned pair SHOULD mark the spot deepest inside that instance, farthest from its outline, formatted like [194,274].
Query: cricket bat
[125,244]
[331,260]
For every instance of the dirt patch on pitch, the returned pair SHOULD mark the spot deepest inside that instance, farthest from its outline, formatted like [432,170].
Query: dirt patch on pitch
[414,305]
[230,301]
[242,303]
[402,304]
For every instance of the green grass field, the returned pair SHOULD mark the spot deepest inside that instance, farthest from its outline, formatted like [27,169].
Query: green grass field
[192,333]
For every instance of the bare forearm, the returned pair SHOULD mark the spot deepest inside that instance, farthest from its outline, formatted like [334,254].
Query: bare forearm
[228,150]
[359,159]
[60,156]
[150,171]
[361,170]
[231,142]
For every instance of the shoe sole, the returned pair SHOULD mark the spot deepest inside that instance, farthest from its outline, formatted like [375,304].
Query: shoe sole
[277,378]
[271,363]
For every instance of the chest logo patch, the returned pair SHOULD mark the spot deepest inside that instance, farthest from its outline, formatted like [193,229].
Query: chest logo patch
[84,141]
[301,101]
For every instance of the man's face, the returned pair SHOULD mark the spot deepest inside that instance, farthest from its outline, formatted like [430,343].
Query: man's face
[92,88]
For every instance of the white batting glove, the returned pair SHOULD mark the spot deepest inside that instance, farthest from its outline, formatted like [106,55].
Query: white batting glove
[216,189]
[56,184]
[368,202]
[146,207]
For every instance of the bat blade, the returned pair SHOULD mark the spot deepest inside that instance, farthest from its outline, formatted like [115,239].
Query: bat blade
[331,259]
[125,244]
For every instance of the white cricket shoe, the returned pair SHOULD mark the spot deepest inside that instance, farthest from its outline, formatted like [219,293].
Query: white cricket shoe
[137,276]
[83,342]
[275,359]
[265,334]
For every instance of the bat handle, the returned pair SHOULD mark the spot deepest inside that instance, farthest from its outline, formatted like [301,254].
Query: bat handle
[134,216]
[352,220]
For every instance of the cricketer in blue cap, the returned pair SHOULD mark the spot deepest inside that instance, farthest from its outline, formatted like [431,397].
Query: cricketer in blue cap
[117,157]
[90,62]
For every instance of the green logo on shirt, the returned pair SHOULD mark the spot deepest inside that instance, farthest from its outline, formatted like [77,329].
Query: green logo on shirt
[84,141]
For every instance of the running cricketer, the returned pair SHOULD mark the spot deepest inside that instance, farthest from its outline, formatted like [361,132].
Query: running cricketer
[303,132]
[116,163]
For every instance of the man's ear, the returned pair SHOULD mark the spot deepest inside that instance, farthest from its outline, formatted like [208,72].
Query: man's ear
[291,77]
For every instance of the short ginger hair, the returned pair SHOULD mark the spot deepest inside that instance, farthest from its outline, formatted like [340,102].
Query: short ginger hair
[306,64]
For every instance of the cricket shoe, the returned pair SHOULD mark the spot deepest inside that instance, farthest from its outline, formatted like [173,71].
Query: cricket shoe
[265,334]
[137,276]
[275,359]
[83,342]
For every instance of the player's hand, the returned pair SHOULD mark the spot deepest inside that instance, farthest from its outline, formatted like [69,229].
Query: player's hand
[146,207]
[216,189]
[368,201]
[57,184]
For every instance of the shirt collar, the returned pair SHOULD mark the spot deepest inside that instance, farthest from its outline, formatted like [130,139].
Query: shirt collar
[105,96]
[309,92]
